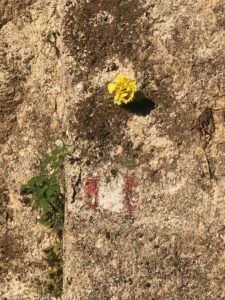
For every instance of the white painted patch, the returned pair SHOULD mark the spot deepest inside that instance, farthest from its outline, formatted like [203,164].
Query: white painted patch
[111,195]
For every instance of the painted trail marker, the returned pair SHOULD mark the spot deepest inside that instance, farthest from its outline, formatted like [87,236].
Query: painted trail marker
[116,194]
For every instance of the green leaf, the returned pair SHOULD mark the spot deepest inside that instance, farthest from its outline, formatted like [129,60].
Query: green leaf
[43,165]
[45,222]
[46,190]
[23,189]
[45,206]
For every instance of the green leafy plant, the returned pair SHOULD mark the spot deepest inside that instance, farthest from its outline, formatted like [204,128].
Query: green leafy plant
[45,188]
[53,257]
[51,38]
[55,284]
[49,200]
[55,159]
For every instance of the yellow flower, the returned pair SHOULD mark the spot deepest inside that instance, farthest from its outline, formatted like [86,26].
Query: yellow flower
[124,89]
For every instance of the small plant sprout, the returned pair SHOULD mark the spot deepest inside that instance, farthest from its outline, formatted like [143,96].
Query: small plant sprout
[49,200]
[54,258]
[51,38]
[124,88]
[48,197]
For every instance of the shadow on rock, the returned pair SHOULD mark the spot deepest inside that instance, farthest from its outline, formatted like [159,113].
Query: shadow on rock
[142,106]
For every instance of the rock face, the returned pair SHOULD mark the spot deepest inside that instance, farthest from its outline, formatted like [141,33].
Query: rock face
[145,184]
[30,88]
[145,219]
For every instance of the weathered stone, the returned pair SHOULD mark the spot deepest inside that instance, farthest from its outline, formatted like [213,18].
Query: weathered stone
[153,242]
[145,185]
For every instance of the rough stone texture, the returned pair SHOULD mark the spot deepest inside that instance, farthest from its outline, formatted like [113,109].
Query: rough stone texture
[165,238]
[30,126]
[167,241]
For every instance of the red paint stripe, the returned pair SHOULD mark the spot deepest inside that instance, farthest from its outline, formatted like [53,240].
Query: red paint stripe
[92,193]
[130,183]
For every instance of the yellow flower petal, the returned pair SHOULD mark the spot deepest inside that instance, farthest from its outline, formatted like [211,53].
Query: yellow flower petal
[111,87]
[124,95]
[119,78]
[124,89]
[117,97]
[117,102]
